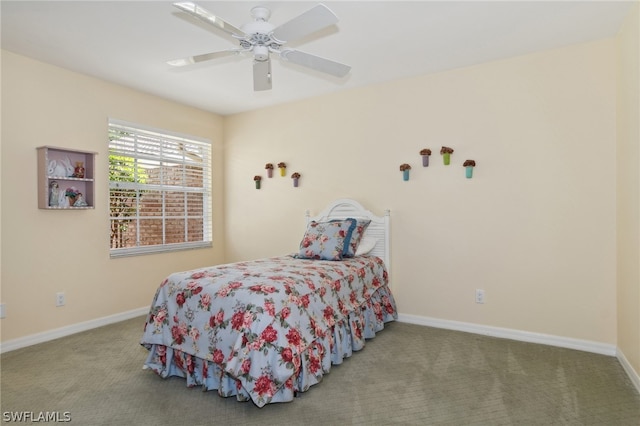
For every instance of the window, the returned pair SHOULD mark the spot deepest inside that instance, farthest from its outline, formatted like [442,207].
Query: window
[159,190]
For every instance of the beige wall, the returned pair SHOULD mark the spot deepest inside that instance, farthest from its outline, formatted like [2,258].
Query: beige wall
[535,227]
[628,201]
[44,252]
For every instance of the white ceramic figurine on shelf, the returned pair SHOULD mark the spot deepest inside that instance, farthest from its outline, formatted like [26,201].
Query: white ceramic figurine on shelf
[68,168]
[56,168]
[54,194]
[80,201]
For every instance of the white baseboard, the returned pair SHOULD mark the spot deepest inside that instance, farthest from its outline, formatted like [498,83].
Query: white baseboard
[633,374]
[46,336]
[507,333]
[525,336]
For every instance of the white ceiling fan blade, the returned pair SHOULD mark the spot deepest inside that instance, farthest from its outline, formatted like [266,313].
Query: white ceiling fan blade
[204,57]
[262,75]
[309,22]
[209,18]
[315,62]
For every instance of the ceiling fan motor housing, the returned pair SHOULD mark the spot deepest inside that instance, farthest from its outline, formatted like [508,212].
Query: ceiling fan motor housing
[259,38]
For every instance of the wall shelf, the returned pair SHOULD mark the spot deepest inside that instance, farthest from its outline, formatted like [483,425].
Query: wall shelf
[63,174]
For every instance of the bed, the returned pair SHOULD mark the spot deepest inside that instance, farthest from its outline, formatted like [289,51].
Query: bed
[267,329]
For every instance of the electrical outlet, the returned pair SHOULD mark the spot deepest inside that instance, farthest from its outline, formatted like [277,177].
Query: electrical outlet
[2,310]
[60,300]
[479,295]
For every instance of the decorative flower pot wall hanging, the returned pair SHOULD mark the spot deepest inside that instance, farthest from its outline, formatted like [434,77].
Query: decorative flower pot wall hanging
[269,168]
[295,177]
[404,168]
[469,165]
[283,169]
[257,180]
[446,154]
[425,153]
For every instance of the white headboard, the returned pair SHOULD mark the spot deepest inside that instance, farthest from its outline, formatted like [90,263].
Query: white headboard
[378,228]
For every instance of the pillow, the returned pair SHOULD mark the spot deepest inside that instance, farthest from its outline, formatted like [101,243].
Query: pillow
[326,240]
[366,245]
[356,236]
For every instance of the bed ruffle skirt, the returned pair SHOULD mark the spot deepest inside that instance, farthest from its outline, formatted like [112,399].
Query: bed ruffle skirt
[346,336]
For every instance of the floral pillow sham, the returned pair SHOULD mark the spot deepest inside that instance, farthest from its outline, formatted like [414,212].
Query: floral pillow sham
[326,240]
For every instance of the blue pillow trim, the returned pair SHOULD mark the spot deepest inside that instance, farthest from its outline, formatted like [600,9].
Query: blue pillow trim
[356,235]
[347,240]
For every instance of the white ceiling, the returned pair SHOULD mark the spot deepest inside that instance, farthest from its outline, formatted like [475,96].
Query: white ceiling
[129,42]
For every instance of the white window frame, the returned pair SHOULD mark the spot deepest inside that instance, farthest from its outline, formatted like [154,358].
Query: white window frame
[168,138]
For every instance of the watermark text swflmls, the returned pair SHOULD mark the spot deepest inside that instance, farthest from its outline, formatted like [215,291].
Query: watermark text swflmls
[36,416]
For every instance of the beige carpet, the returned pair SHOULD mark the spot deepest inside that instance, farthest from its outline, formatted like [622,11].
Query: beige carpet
[407,375]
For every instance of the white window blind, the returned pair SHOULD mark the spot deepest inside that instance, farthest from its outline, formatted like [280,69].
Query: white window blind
[159,190]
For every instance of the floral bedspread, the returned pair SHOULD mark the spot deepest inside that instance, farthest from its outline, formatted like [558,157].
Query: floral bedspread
[265,329]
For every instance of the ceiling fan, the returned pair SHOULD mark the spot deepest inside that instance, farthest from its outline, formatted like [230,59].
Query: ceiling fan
[262,38]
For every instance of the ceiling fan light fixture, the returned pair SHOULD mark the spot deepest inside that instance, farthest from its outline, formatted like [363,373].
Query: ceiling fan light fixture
[260,53]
